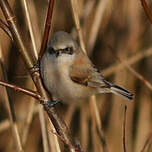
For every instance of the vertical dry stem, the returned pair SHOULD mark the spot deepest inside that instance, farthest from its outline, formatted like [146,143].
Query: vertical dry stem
[96,23]
[10,108]
[74,6]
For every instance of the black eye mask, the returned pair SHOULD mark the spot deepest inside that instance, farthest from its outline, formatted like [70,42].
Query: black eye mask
[68,50]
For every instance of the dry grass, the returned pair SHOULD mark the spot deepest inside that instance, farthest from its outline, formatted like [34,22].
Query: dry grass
[99,123]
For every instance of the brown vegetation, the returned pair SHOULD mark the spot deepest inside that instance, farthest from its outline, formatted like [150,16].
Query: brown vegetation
[117,37]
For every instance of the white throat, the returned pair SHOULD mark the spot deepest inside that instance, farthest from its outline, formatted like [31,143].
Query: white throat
[62,60]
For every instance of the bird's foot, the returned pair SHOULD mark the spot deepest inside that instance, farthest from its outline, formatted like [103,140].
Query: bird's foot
[35,68]
[50,104]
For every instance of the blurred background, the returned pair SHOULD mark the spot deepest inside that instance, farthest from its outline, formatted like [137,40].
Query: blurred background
[117,37]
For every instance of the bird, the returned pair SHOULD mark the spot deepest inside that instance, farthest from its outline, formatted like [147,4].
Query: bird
[68,73]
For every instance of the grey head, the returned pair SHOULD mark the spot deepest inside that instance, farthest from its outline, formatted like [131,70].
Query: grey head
[62,43]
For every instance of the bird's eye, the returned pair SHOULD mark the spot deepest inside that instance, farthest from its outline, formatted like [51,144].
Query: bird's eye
[51,50]
[57,53]
[69,50]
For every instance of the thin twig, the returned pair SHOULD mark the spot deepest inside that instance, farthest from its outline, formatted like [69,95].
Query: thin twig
[26,8]
[129,61]
[124,130]
[23,90]
[147,10]
[35,23]
[46,29]
[139,76]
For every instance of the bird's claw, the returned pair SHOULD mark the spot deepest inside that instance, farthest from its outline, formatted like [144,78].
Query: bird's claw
[50,104]
[35,68]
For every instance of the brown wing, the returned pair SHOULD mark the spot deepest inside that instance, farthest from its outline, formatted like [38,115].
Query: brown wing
[86,74]
[79,75]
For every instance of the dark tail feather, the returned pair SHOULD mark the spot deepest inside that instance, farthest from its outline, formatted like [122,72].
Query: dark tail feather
[121,91]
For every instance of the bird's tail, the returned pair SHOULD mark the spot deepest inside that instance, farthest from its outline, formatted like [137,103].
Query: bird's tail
[121,91]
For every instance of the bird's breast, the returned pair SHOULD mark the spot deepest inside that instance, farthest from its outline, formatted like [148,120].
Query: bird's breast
[57,81]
